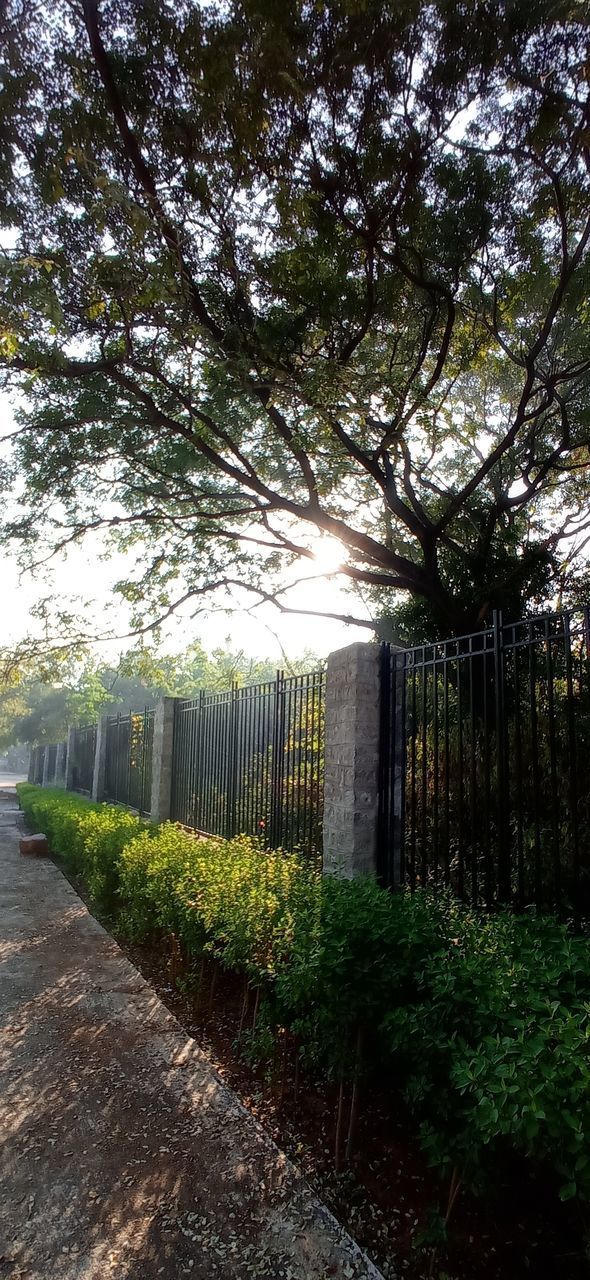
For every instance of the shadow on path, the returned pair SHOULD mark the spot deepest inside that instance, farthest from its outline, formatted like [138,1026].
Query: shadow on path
[124,1154]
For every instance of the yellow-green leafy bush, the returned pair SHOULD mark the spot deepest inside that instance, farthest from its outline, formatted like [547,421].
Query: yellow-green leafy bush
[482,1023]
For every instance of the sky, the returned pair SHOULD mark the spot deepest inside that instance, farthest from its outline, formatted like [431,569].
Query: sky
[83,579]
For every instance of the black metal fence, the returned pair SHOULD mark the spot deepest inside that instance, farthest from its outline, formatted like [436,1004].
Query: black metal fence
[128,759]
[36,764]
[251,761]
[83,749]
[52,755]
[485,746]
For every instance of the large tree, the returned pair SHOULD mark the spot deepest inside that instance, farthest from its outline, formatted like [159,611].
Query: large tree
[280,269]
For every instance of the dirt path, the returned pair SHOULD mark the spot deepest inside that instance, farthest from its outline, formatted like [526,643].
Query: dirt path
[123,1154]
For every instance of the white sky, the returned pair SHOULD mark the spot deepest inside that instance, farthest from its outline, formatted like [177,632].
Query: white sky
[84,576]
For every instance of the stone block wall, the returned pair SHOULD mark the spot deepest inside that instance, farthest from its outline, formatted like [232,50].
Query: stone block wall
[352,760]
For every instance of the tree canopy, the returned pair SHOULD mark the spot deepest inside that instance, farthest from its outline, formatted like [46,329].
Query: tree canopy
[274,270]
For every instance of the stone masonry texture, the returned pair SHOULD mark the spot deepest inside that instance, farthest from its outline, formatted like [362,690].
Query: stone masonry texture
[352,760]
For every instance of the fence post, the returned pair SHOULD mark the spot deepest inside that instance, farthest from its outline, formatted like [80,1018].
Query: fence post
[501,749]
[162,760]
[232,759]
[351,791]
[278,742]
[70,758]
[100,760]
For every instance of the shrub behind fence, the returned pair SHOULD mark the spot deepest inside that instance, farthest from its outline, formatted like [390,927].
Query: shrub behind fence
[82,753]
[128,762]
[250,760]
[485,741]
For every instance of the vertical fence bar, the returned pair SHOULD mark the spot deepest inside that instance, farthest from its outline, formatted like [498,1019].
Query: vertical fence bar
[552,765]
[435,767]
[460,830]
[384,783]
[413,787]
[503,846]
[424,788]
[518,779]
[446,757]
[538,894]
[473,780]
[574,895]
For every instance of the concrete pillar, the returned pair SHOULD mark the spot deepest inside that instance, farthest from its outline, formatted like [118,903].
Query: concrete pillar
[162,760]
[100,760]
[32,764]
[46,780]
[351,797]
[70,753]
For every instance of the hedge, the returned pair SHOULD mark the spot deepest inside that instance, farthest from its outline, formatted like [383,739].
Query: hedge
[481,1023]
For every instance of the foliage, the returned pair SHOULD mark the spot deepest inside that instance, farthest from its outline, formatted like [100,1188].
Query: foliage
[286,270]
[38,704]
[482,1023]
[90,837]
[494,1048]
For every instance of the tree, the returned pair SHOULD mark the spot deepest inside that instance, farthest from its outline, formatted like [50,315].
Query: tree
[38,702]
[276,271]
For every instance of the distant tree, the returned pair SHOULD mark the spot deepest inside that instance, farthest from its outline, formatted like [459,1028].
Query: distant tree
[33,711]
[286,270]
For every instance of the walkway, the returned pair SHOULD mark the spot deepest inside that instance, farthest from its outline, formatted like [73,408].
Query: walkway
[124,1155]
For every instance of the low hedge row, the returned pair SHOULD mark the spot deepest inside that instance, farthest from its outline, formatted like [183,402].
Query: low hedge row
[481,1023]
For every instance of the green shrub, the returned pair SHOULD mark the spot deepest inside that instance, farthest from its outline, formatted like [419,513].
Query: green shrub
[493,1051]
[226,896]
[481,1023]
[90,837]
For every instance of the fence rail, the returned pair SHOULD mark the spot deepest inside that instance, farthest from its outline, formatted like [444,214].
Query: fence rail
[250,761]
[128,759]
[482,745]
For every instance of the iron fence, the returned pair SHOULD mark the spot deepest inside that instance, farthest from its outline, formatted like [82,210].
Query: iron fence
[81,766]
[51,757]
[128,759]
[484,744]
[251,760]
[36,763]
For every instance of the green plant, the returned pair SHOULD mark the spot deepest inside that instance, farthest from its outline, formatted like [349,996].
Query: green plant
[481,1023]
[90,837]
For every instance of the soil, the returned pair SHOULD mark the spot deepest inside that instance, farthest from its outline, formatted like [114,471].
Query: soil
[387,1197]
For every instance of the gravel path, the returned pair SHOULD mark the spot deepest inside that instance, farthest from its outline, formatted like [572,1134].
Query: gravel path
[123,1153]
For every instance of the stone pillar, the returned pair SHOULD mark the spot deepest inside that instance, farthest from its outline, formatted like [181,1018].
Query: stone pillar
[70,751]
[100,760]
[351,797]
[46,780]
[162,760]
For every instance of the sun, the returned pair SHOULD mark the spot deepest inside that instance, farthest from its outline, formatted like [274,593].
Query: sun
[328,553]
